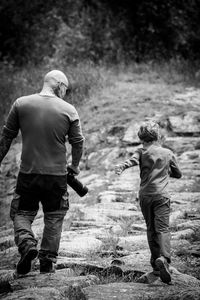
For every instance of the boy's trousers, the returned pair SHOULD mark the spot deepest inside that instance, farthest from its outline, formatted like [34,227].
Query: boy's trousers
[51,191]
[156,211]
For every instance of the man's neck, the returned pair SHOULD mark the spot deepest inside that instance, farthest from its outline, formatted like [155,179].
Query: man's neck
[47,91]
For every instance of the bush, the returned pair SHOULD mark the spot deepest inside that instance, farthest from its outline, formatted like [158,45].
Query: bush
[15,82]
[108,30]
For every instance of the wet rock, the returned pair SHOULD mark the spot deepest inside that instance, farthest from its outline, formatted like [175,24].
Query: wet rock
[50,287]
[195,253]
[103,212]
[175,216]
[181,144]
[112,140]
[6,242]
[183,234]
[133,243]
[130,136]
[179,244]
[188,96]
[108,161]
[35,294]
[182,279]
[59,280]
[191,156]
[139,227]
[148,278]
[104,157]
[109,196]
[113,252]
[94,138]
[187,197]
[117,229]
[116,130]
[9,258]
[81,245]
[88,179]
[117,262]
[183,185]
[197,145]
[185,124]
[116,206]
[138,291]
[189,224]
[128,181]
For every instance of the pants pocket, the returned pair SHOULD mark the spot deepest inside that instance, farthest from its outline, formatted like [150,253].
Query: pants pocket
[64,203]
[14,205]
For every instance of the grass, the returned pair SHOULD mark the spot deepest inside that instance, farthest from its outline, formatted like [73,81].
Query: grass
[16,82]
[132,93]
[91,83]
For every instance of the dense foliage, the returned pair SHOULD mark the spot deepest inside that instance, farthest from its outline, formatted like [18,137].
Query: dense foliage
[111,30]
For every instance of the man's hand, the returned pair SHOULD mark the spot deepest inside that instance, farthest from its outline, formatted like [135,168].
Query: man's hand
[73,169]
[119,169]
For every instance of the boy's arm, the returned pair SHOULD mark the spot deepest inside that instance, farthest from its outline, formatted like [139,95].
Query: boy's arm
[133,161]
[174,170]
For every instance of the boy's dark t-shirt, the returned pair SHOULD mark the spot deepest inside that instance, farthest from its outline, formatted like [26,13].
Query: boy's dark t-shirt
[156,165]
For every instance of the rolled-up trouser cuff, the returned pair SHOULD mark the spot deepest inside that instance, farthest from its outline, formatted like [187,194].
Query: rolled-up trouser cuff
[47,256]
[22,228]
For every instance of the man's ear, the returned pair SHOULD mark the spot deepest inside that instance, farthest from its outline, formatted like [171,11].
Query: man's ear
[57,90]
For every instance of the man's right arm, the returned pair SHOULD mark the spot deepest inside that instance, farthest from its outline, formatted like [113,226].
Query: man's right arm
[76,139]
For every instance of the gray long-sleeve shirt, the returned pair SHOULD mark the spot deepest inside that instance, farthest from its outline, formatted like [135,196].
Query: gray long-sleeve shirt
[45,122]
[156,164]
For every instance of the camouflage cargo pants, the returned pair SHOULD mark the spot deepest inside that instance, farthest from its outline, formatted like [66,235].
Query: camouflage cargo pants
[51,192]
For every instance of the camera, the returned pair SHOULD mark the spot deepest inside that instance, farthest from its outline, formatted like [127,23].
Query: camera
[75,184]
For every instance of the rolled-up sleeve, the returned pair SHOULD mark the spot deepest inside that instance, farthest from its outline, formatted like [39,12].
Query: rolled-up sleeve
[11,127]
[75,132]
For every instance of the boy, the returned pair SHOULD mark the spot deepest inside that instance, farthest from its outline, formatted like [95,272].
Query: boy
[156,164]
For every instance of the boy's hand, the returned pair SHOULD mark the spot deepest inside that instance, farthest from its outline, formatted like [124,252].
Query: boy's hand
[119,169]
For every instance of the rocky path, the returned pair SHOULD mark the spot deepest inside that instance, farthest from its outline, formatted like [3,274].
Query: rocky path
[104,252]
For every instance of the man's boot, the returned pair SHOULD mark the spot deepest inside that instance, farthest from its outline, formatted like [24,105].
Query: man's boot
[28,253]
[47,266]
[162,265]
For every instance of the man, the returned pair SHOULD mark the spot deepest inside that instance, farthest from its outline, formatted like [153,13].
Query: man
[44,120]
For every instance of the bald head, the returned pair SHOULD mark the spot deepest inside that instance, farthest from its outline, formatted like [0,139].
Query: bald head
[55,83]
[54,77]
